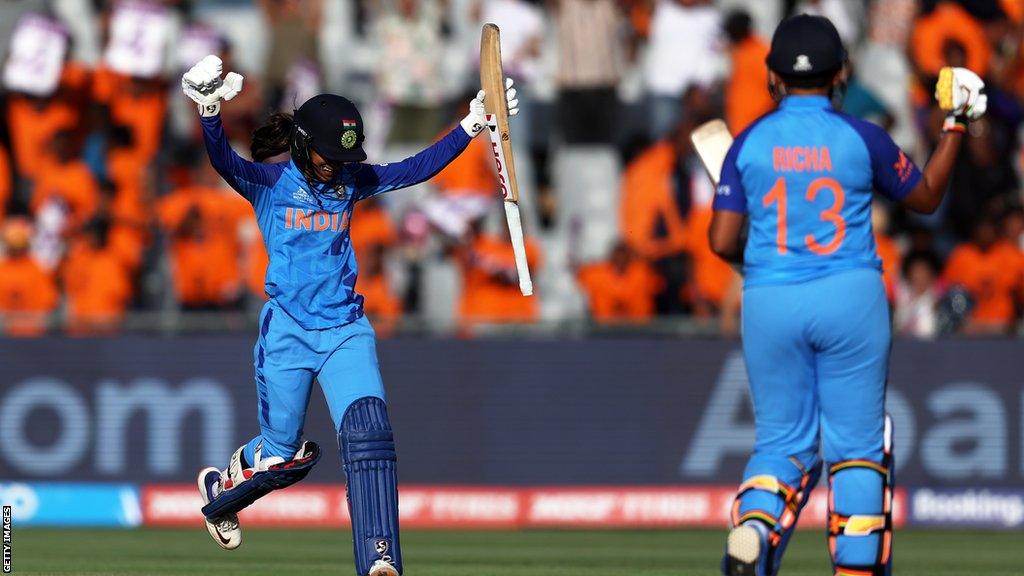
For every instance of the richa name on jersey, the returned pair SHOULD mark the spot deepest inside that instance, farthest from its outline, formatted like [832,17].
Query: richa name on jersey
[801,159]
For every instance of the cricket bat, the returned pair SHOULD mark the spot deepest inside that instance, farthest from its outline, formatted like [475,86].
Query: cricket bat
[712,141]
[944,89]
[492,81]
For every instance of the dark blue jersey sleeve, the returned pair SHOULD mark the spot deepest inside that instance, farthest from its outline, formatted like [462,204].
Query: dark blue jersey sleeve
[894,173]
[730,194]
[250,179]
[372,179]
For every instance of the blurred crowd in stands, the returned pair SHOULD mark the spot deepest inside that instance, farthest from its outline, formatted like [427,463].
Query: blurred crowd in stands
[109,206]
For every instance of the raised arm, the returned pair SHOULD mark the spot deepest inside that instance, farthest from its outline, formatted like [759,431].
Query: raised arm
[372,179]
[203,84]
[250,179]
[930,190]
[962,93]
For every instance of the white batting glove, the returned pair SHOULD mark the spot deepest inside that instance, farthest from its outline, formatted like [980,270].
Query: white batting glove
[510,98]
[475,121]
[202,83]
[962,94]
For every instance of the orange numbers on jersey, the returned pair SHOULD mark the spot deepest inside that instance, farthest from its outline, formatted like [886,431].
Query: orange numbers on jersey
[829,215]
[777,195]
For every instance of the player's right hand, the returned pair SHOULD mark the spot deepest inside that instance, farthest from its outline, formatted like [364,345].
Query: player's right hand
[475,121]
[962,94]
[203,84]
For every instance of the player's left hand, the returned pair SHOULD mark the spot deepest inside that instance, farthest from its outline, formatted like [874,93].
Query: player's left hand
[961,93]
[203,84]
[475,121]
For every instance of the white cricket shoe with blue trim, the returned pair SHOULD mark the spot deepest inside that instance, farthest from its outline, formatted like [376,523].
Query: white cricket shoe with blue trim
[225,530]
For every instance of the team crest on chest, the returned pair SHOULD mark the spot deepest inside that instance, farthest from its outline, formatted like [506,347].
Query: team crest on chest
[302,196]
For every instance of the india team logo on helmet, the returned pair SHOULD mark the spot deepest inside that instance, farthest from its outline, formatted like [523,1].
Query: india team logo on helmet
[802,64]
[349,136]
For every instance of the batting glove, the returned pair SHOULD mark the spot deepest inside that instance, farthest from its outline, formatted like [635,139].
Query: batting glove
[203,84]
[962,94]
[475,121]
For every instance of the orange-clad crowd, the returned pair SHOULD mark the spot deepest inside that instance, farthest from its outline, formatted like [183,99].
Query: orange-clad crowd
[108,205]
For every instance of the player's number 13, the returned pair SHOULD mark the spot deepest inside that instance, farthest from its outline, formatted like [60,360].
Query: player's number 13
[830,214]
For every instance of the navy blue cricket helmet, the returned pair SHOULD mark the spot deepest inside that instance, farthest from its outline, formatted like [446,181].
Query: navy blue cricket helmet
[806,46]
[330,125]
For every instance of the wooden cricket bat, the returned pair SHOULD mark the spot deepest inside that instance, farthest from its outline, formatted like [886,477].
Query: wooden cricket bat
[944,89]
[712,141]
[492,81]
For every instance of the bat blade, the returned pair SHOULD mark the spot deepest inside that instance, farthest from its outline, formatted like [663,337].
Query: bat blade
[712,141]
[492,80]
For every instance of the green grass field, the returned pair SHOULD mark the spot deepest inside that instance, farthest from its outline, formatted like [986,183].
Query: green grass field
[532,553]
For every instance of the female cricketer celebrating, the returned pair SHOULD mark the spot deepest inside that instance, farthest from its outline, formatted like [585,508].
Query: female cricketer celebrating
[313,324]
[816,330]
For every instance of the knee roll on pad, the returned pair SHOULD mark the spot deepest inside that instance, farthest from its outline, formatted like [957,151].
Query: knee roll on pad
[776,501]
[860,514]
[263,482]
[368,451]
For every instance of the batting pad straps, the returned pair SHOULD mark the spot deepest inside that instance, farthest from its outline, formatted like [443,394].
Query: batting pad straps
[861,524]
[860,543]
[369,445]
[841,571]
[792,498]
[368,450]
[261,483]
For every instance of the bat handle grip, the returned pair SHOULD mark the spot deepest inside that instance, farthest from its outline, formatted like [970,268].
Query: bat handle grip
[515,229]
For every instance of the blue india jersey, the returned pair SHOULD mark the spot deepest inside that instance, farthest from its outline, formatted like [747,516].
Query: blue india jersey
[804,176]
[305,227]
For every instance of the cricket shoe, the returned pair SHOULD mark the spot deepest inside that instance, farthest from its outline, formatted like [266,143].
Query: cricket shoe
[224,530]
[382,568]
[746,551]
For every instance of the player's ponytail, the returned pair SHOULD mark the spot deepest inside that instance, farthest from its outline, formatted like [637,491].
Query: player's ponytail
[273,138]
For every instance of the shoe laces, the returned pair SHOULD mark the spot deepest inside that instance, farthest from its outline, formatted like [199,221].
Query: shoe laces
[220,486]
[227,524]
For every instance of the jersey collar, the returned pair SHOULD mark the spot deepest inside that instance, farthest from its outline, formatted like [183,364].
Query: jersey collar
[818,102]
[336,189]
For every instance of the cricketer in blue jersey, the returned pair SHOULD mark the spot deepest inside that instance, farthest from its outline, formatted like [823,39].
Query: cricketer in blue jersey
[816,329]
[312,326]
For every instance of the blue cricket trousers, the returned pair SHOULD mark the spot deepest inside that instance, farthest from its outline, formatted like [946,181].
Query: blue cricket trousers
[288,358]
[817,356]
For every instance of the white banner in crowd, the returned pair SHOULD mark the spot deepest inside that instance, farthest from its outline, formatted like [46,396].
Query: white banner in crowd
[38,47]
[139,32]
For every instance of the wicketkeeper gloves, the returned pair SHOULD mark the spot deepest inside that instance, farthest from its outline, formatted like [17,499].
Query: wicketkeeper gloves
[203,84]
[962,94]
[475,121]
